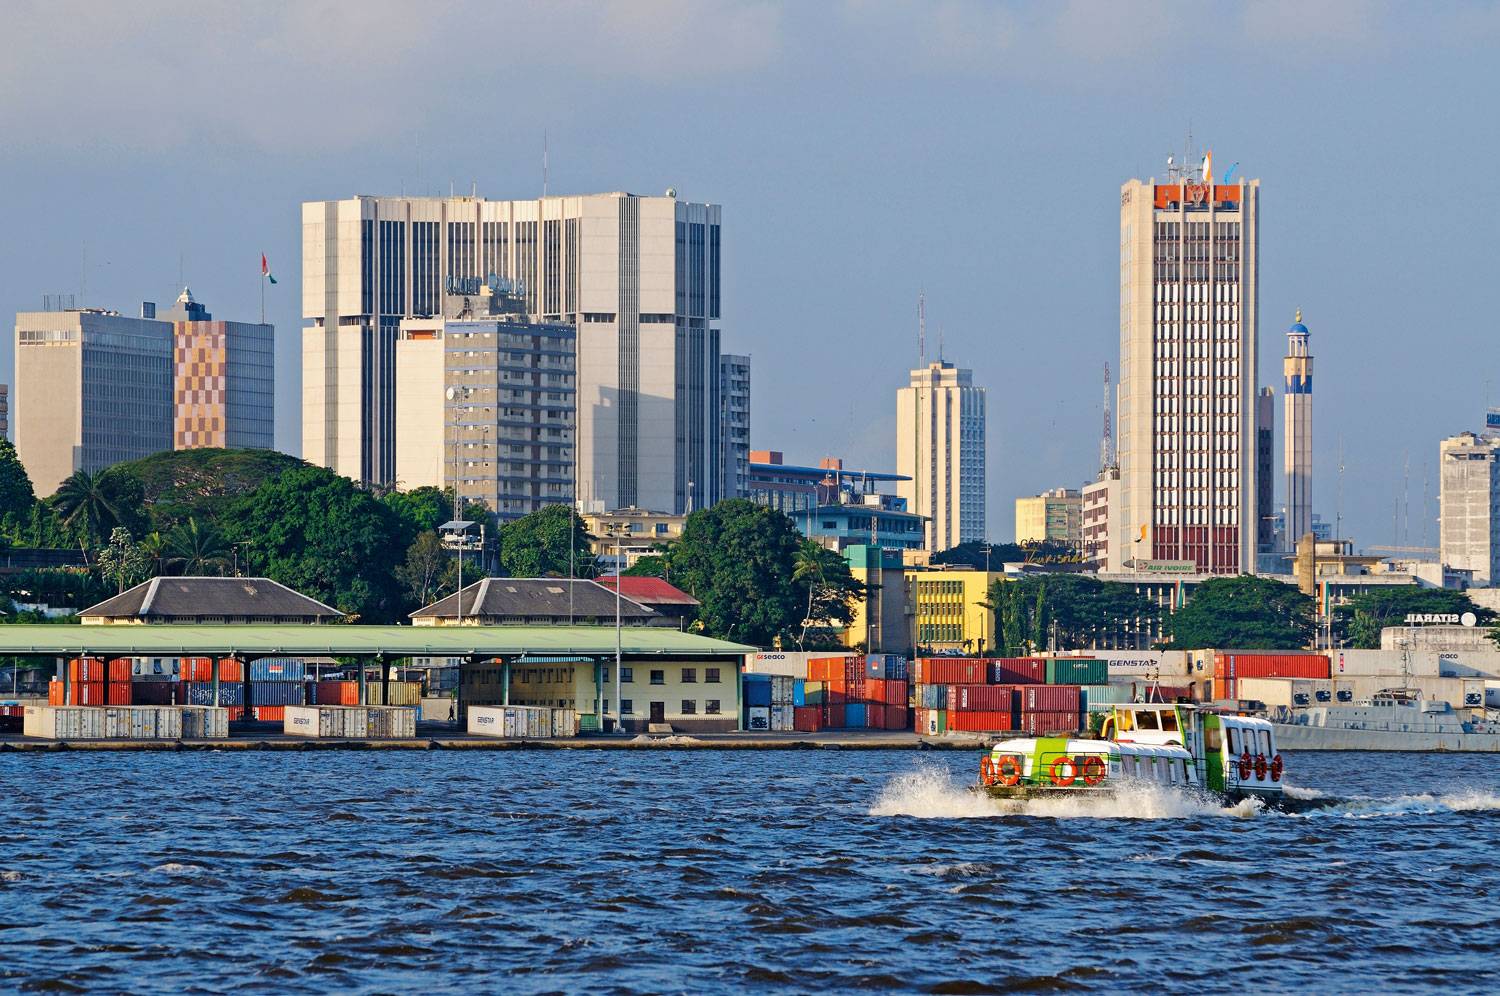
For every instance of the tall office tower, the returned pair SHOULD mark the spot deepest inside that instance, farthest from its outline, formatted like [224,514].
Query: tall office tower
[1188,339]
[1297,447]
[487,399]
[1055,515]
[1469,506]
[93,388]
[223,379]
[4,409]
[638,277]
[734,430]
[940,448]
[1265,478]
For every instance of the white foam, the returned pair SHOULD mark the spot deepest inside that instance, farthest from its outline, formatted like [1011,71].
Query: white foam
[174,868]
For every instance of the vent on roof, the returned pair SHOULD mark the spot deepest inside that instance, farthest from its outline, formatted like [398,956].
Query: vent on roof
[554,589]
[511,588]
[250,589]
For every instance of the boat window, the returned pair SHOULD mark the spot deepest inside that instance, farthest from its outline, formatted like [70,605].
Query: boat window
[1127,721]
[1234,739]
[1169,720]
[1213,738]
[1146,721]
[1265,742]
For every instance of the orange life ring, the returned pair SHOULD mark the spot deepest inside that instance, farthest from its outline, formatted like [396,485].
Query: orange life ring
[1245,766]
[1092,767]
[1060,779]
[986,770]
[1277,767]
[1260,767]
[1008,771]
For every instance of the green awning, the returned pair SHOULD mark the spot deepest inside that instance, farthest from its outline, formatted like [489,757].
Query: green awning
[354,640]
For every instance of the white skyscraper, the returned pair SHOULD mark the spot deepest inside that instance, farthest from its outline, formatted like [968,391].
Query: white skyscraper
[1297,448]
[1188,375]
[637,276]
[940,433]
[1469,506]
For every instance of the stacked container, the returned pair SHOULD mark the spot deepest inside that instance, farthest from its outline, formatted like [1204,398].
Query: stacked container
[1232,665]
[998,695]
[351,722]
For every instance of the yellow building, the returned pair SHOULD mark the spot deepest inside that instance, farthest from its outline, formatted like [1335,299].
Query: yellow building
[947,609]
[886,629]
[1055,515]
[630,534]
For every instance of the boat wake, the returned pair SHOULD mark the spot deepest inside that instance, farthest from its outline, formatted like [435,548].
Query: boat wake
[933,793]
[1465,801]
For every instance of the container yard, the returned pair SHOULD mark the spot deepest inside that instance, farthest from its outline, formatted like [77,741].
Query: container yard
[522,722]
[84,722]
[356,722]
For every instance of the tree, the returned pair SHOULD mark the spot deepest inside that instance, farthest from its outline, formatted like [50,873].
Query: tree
[421,509]
[550,542]
[428,572]
[322,535]
[651,565]
[1361,619]
[86,504]
[831,588]
[1244,613]
[123,561]
[1077,610]
[196,549]
[16,494]
[983,556]
[201,484]
[737,559]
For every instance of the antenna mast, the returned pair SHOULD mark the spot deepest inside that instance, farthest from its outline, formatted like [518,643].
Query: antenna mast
[922,328]
[1107,441]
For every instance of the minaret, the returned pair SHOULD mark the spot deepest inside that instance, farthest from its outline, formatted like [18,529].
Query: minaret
[1298,367]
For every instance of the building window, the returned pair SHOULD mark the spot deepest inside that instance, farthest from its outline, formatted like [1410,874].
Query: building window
[689,675]
[711,707]
[658,677]
[710,676]
[627,708]
[689,707]
[627,675]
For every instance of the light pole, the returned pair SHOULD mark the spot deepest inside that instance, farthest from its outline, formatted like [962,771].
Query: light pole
[457,529]
[617,530]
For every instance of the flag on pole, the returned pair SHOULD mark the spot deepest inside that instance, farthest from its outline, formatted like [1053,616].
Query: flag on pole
[1208,166]
[265,269]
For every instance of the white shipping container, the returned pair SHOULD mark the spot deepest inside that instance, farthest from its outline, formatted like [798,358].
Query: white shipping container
[564,723]
[204,722]
[522,722]
[102,722]
[783,689]
[1147,664]
[759,718]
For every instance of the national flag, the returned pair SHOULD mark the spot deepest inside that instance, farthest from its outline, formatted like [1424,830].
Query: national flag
[265,269]
[1208,166]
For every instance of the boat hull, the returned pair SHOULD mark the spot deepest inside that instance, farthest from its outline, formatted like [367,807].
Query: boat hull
[1274,800]
[1296,736]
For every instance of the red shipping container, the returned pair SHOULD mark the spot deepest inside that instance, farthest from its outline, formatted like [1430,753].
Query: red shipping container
[1018,671]
[1255,665]
[953,671]
[236,713]
[981,698]
[874,716]
[1042,723]
[805,719]
[1049,698]
[270,714]
[875,690]
[336,693]
[89,693]
[833,717]
[899,718]
[857,691]
[87,669]
[896,693]
[980,722]
[118,693]
[825,668]
[201,669]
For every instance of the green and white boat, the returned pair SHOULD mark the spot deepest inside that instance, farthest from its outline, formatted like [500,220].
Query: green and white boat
[1174,745]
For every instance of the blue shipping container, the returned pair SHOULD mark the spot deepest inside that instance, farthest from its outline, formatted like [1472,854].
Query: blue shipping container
[854,716]
[277,669]
[757,693]
[799,692]
[885,667]
[277,693]
[231,693]
[932,696]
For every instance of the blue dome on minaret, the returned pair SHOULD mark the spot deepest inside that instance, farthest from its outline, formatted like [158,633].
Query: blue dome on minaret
[1298,328]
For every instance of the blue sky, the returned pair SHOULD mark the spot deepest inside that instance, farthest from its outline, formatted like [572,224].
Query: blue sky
[862,151]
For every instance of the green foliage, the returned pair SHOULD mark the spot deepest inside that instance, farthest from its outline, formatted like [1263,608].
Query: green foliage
[737,559]
[193,549]
[318,533]
[429,571]
[420,509]
[200,484]
[1362,618]
[90,506]
[1079,610]
[16,494]
[545,543]
[123,561]
[651,565]
[68,587]
[1243,613]
[831,591]
[972,553]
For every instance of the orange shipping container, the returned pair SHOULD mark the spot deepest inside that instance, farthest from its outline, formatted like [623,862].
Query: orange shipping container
[86,669]
[270,714]
[119,670]
[1237,665]
[89,693]
[980,722]
[118,693]
[55,692]
[202,669]
[337,693]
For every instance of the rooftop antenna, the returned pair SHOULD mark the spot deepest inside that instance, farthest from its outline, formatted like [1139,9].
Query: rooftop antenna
[1338,506]
[1107,443]
[940,345]
[544,162]
[922,328]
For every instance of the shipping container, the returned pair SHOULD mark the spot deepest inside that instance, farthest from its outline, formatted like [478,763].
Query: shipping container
[336,693]
[1228,666]
[981,698]
[119,669]
[1097,698]
[887,667]
[758,718]
[1049,698]
[103,722]
[833,715]
[231,693]
[854,716]
[812,693]
[270,713]
[1042,723]
[282,693]
[522,722]
[757,691]
[981,722]
[87,669]
[89,693]
[783,718]
[1076,671]
[931,722]
[953,671]
[202,669]
[807,719]
[825,668]
[931,696]
[153,693]
[204,722]
[351,722]
[402,693]
[875,715]
[782,689]
[278,669]
[799,692]
[1018,671]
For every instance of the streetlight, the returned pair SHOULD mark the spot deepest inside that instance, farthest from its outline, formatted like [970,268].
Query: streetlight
[618,530]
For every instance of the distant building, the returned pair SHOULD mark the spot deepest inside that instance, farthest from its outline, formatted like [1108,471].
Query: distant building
[1099,503]
[1265,477]
[940,448]
[223,386]
[881,621]
[664,599]
[536,602]
[4,409]
[734,432]
[1189,279]
[1297,448]
[209,600]
[1469,506]
[624,536]
[93,388]
[834,506]
[488,398]
[1054,516]
[864,520]
[948,611]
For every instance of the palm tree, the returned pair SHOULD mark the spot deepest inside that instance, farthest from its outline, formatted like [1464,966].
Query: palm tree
[196,549]
[155,547]
[86,503]
[808,569]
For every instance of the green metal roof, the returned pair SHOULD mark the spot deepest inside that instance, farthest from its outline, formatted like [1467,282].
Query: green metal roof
[353,640]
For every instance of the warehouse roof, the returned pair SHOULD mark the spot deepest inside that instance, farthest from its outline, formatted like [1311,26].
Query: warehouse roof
[648,590]
[195,598]
[293,640]
[535,600]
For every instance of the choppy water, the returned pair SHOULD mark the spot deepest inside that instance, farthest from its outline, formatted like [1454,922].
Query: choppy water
[707,871]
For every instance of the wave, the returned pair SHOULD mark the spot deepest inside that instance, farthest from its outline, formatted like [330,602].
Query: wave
[932,793]
[1464,801]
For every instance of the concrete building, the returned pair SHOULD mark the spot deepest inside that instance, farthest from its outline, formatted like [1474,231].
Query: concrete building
[1189,292]
[1054,516]
[863,520]
[1297,447]
[637,276]
[1099,507]
[734,431]
[1265,478]
[209,600]
[487,399]
[1469,506]
[881,620]
[796,490]
[4,409]
[624,536]
[940,448]
[93,388]
[666,600]
[948,611]
[223,379]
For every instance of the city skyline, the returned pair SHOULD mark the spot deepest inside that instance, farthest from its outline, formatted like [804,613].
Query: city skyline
[818,175]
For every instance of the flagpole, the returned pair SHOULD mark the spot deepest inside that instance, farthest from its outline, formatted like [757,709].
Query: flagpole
[263,288]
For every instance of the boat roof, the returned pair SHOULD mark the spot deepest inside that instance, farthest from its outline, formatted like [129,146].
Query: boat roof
[1024,745]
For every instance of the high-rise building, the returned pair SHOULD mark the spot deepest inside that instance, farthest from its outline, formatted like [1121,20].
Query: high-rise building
[487,400]
[637,276]
[1469,506]
[1101,504]
[1265,478]
[940,447]
[1297,447]
[1055,515]
[1188,373]
[93,388]
[223,379]
[734,430]
[4,409]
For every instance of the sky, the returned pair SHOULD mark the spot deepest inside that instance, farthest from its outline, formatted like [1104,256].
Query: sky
[863,151]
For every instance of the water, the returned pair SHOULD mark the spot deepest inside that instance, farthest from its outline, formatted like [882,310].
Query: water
[715,871]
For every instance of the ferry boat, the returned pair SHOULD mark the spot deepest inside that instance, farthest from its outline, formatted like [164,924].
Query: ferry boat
[1232,756]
